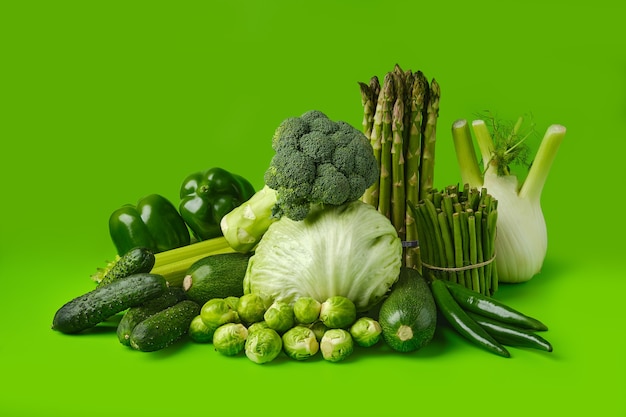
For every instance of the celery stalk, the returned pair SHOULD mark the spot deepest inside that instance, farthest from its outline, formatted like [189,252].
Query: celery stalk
[173,264]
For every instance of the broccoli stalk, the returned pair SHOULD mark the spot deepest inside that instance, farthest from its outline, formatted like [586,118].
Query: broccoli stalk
[317,162]
[245,225]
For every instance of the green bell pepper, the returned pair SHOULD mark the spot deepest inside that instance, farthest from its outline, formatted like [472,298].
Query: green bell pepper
[154,223]
[206,196]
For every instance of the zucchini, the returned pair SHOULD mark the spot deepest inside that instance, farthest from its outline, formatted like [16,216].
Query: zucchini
[408,316]
[216,276]
[165,327]
[136,315]
[104,301]
[135,261]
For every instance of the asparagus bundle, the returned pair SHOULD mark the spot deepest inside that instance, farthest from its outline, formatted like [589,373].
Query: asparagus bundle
[400,119]
[458,229]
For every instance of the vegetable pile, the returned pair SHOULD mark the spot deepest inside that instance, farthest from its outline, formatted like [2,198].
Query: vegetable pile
[348,245]
[300,329]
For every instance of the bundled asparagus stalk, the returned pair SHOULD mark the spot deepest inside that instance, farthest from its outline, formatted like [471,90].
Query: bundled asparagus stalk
[458,229]
[400,119]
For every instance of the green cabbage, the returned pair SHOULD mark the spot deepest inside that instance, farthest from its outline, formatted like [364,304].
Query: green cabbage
[350,250]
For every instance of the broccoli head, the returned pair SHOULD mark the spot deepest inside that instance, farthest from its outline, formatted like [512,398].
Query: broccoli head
[318,161]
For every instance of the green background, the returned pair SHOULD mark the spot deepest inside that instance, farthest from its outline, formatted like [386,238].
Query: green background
[104,102]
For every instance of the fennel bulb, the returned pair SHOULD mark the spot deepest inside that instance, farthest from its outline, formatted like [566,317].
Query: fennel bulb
[350,250]
[521,237]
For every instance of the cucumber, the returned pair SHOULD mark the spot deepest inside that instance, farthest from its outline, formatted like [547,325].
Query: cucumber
[408,316]
[135,261]
[165,327]
[136,315]
[104,301]
[216,276]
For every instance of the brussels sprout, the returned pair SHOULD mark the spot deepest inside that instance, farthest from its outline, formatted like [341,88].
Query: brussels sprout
[300,343]
[232,302]
[250,308]
[279,316]
[366,331]
[338,312]
[263,345]
[319,329]
[336,345]
[218,311]
[200,332]
[230,338]
[259,325]
[306,310]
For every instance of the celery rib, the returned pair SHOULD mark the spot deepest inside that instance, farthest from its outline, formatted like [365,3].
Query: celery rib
[195,249]
[173,264]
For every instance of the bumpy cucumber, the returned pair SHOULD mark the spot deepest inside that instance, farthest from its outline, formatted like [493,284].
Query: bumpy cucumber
[135,261]
[165,327]
[136,315]
[104,301]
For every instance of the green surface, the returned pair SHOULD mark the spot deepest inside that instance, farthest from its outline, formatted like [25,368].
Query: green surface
[105,102]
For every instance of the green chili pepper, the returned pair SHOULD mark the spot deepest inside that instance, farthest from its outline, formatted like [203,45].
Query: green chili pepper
[154,223]
[510,335]
[462,322]
[207,196]
[486,306]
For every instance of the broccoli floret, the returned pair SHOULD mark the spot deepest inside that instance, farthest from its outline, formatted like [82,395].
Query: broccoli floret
[288,133]
[331,186]
[316,145]
[311,115]
[340,156]
[323,125]
[357,185]
[278,175]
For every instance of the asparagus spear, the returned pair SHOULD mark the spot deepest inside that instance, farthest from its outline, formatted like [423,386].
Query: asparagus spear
[427,167]
[413,151]
[398,204]
[388,98]
[371,97]
[369,107]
